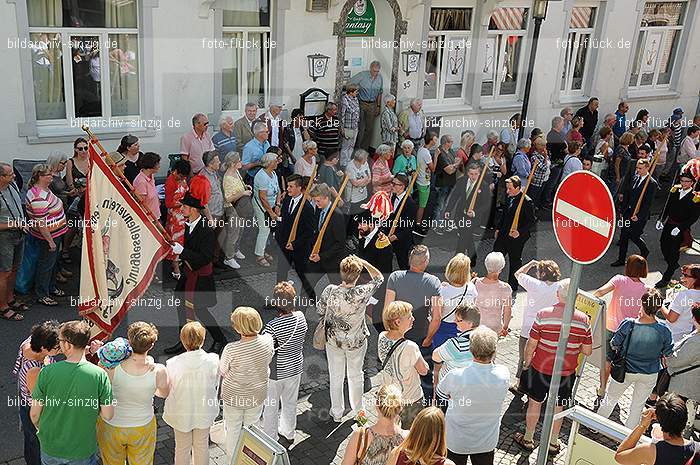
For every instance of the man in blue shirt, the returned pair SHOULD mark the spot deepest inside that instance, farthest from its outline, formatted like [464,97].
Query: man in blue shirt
[224,141]
[254,150]
[621,120]
[521,162]
[370,97]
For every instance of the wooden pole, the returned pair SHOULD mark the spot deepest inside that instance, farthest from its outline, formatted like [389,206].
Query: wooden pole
[120,174]
[295,225]
[395,223]
[646,182]
[472,203]
[319,239]
[514,227]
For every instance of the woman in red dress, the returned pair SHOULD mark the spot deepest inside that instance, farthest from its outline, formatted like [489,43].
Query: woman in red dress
[175,190]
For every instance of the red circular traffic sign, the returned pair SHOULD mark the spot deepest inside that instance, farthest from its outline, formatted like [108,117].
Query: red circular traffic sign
[583,215]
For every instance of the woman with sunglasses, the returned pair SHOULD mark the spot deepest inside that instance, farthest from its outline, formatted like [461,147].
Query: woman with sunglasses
[679,315]
[47,225]
[76,179]
[57,163]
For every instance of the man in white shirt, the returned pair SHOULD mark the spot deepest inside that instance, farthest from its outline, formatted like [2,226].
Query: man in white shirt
[275,123]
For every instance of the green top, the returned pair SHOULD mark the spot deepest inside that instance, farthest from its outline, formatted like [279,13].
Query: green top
[72,394]
[404,165]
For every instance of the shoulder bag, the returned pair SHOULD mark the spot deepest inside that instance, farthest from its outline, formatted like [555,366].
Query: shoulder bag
[618,367]
[391,352]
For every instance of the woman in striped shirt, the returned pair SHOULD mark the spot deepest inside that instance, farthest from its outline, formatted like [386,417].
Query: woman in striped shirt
[47,225]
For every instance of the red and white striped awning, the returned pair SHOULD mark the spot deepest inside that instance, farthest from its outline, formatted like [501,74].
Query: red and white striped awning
[508,18]
[581,17]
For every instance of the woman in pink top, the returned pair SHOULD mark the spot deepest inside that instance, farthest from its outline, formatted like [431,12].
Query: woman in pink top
[145,183]
[494,296]
[626,301]
[381,174]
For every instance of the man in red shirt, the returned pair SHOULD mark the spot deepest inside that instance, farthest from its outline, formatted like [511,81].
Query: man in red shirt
[538,365]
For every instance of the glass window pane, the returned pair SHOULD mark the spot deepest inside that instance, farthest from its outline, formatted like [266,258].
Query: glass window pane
[580,63]
[257,69]
[121,13]
[248,13]
[84,13]
[668,56]
[505,19]
[582,17]
[491,50]
[567,58]
[230,80]
[432,67]
[124,74]
[45,13]
[455,62]
[87,75]
[450,19]
[663,13]
[47,69]
[509,80]
[634,76]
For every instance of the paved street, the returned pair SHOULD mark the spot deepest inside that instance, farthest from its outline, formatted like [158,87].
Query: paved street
[319,440]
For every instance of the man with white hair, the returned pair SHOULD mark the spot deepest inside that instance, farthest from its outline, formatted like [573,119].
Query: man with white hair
[389,122]
[224,140]
[243,127]
[521,162]
[568,114]
[371,87]
[255,149]
[194,143]
[275,124]
[412,122]
[538,364]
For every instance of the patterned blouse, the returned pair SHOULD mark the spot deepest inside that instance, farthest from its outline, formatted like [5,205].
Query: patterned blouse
[344,311]
[380,448]
[389,120]
[350,112]
[45,209]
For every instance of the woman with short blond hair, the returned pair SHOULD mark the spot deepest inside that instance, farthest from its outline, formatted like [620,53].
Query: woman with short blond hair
[192,405]
[244,367]
[425,443]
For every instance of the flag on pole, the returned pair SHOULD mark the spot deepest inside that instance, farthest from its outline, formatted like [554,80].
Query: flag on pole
[121,248]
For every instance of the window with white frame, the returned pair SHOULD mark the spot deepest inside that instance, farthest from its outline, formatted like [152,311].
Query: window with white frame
[447,53]
[503,52]
[577,49]
[246,63]
[657,44]
[85,58]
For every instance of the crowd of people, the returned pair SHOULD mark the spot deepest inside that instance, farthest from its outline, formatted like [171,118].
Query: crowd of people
[316,197]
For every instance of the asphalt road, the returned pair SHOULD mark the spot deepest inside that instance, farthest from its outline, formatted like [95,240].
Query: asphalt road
[250,290]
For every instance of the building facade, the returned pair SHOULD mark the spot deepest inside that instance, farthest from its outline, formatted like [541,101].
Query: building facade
[146,66]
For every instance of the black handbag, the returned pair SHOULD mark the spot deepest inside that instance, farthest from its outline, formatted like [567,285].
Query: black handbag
[618,367]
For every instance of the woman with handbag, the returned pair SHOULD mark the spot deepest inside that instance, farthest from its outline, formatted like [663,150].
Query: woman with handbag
[456,290]
[371,445]
[343,315]
[639,344]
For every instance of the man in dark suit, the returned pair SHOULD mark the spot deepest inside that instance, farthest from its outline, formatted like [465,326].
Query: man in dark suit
[509,242]
[468,221]
[402,239]
[297,252]
[370,230]
[196,285]
[633,223]
[332,251]
[680,213]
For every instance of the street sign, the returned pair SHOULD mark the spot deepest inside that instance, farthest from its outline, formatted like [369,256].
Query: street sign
[583,216]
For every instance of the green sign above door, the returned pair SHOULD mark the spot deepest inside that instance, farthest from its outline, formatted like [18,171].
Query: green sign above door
[361,19]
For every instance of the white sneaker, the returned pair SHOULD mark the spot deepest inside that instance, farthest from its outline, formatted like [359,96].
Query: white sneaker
[239,255]
[231,262]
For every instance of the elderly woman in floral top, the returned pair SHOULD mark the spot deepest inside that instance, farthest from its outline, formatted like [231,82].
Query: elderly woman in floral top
[342,308]
[539,153]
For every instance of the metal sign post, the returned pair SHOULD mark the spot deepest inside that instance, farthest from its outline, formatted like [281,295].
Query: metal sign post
[558,364]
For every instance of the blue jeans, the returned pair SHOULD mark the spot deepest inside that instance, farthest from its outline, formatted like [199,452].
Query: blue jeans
[45,277]
[31,443]
[49,460]
[442,193]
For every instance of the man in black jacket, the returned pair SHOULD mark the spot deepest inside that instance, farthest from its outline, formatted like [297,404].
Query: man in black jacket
[297,252]
[332,251]
[589,113]
[196,288]
[633,222]
[509,242]
[681,212]
[402,239]
[468,221]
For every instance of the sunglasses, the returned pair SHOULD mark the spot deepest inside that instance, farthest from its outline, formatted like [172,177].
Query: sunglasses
[82,148]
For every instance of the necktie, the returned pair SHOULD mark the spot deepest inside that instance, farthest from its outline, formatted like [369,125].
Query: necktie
[321,219]
[291,206]
[510,204]
[637,182]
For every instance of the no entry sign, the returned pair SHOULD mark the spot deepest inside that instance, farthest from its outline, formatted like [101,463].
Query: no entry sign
[583,215]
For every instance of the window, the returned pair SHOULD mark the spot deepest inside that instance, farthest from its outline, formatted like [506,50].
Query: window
[657,44]
[503,49]
[577,49]
[447,53]
[245,73]
[72,42]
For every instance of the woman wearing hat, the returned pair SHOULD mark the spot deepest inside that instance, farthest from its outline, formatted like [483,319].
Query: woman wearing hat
[196,285]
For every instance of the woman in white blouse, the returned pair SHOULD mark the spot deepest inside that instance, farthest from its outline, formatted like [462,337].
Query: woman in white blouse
[192,405]
[457,289]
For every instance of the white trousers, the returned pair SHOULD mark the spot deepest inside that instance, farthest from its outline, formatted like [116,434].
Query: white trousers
[192,444]
[342,363]
[235,419]
[642,384]
[280,413]
[346,149]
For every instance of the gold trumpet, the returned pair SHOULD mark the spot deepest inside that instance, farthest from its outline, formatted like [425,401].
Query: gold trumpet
[383,239]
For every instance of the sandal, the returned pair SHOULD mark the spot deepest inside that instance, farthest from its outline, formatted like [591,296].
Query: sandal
[58,293]
[262,262]
[18,306]
[269,257]
[554,449]
[519,439]
[48,301]
[10,314]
